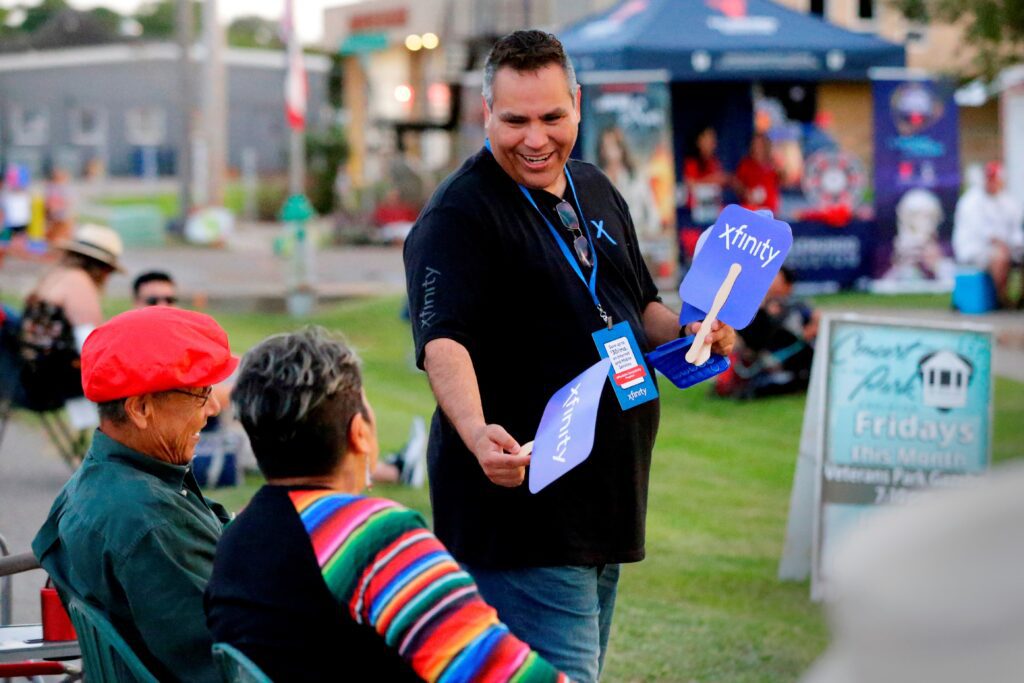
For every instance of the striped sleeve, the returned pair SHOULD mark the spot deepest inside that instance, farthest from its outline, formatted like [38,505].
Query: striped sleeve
[389,572]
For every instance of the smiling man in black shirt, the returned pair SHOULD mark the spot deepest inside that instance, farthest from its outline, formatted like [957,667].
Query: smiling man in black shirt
[503,305]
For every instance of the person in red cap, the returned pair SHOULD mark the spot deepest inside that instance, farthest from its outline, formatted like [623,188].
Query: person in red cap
[988,231]
[131,533]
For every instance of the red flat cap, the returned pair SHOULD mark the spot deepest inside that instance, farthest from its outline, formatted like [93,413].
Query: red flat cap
[154,349]
[993,169]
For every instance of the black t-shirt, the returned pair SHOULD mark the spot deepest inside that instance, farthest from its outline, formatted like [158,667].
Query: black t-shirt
[484,270]
[267,597]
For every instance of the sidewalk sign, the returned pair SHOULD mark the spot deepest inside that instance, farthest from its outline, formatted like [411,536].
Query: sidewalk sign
[893,408]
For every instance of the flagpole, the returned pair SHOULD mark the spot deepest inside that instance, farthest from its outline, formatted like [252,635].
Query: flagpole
[297,162]
[296,212]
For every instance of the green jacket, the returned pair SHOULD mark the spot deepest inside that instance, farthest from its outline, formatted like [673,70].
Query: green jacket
[135,537]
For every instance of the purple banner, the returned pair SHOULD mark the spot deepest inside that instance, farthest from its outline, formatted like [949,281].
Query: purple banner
[917,180]
[566,433]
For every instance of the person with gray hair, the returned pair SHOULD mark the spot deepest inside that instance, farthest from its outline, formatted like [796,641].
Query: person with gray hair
[517,261]
[312,566]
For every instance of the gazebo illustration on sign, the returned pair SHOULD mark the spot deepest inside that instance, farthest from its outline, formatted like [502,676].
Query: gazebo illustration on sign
[944,379]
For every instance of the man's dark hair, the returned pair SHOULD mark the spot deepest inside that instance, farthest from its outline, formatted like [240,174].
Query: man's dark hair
[150,276]
[788,274]
[527,51]
[112,411]
[296,395]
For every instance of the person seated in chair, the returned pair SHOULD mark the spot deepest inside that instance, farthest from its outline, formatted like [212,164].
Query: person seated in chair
[988,232]
[315,581]
[131,533]
[776,350]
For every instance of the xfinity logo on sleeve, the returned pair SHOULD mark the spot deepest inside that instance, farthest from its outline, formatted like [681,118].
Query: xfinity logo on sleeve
[427,313]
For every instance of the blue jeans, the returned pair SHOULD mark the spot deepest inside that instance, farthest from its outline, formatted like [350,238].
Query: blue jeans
[564,613]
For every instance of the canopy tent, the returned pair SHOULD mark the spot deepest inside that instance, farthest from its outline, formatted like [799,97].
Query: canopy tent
[724,40]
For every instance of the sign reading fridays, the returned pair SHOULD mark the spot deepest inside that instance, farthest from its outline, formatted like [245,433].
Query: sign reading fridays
[894,409]
[755,241]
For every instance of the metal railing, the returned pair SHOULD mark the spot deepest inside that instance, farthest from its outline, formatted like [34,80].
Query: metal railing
[10,565]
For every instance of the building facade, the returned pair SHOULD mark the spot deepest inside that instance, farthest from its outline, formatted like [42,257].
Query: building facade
[385,81]
[401,58]
[935,48]
[116,108]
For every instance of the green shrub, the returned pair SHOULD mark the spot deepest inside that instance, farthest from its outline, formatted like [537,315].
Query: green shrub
[270,196]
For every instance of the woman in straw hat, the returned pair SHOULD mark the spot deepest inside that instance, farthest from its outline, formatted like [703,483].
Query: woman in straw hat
[76,284]
[63,308]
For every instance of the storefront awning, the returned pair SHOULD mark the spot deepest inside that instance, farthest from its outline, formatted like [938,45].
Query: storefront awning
[363,43]
[724,40]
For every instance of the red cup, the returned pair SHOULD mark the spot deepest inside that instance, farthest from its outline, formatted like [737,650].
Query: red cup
[56,622]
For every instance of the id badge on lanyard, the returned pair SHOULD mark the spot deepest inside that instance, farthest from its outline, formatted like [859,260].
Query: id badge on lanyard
[629,375]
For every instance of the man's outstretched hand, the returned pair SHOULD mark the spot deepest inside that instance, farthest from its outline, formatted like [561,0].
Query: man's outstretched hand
[498,455]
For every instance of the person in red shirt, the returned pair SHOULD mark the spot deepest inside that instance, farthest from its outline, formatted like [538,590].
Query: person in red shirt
[757,179]
[704,179]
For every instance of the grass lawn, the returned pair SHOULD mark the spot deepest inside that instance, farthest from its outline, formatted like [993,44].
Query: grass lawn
[705,605]
[167,202]
[857,300]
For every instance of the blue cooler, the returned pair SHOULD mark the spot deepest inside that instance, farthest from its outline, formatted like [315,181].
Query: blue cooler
[216,460]
[974,292]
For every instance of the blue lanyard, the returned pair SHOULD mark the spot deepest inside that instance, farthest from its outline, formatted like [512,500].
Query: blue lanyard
[592,283]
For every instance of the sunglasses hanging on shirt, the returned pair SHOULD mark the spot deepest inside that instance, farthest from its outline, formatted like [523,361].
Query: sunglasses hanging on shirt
[567,215]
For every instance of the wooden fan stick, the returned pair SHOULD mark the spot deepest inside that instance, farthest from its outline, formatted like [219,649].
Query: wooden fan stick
[699,353]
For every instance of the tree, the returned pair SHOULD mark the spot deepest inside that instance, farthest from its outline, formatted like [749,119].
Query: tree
[40,14]
[253,31]
[326,151]
[110,19]
[994,27]
[157,18]
[5,17]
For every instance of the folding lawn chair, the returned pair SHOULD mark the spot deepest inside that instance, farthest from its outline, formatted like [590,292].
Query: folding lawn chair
[105,655]
[235,667]
[71,444]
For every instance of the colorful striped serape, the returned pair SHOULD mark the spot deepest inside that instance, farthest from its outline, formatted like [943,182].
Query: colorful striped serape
[385,567]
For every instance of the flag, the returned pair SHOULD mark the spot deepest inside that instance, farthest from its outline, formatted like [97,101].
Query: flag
[295,80]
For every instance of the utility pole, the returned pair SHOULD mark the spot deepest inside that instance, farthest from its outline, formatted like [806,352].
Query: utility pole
[214,106]
[183,26]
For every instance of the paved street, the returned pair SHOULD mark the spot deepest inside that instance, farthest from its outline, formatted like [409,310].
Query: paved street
[244,272]
[31,474]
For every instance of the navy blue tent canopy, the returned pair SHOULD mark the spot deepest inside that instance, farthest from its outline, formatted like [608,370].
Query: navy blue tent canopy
[724,40]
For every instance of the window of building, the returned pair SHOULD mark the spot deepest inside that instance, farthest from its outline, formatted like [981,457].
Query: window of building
[866,10]
[88,126]
[29,125]
[818,7]
[146,126]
